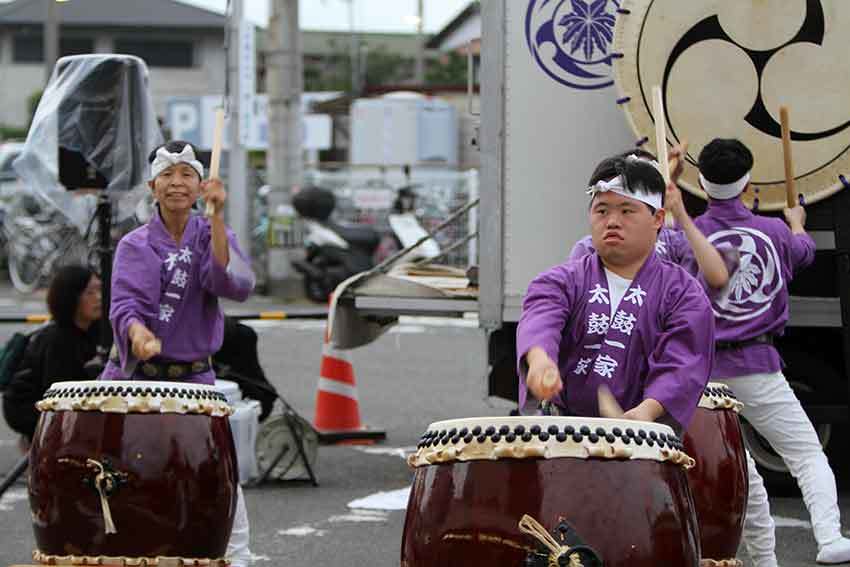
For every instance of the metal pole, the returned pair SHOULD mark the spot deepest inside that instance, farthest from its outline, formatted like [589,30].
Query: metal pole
[284,81]
[420,45]
[51,39]
[353,51]
[238,201]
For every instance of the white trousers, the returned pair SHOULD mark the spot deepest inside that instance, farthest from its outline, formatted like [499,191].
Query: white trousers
[776,414]
[237,548]
[759,528]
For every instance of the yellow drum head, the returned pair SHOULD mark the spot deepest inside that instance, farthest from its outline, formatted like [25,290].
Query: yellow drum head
[726,67]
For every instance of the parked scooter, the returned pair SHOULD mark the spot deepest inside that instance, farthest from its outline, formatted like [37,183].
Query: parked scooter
[334,252]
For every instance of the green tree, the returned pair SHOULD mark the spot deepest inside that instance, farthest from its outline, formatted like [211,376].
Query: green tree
[386,68]
[448,70]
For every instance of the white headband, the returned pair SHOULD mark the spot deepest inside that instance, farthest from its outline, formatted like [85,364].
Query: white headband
[652,162]
[165,159]
[617,185]
[727,191]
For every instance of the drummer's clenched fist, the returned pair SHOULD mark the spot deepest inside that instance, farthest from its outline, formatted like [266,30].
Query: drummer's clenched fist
[212,191]
[796,218]
[143,342]
[544,379]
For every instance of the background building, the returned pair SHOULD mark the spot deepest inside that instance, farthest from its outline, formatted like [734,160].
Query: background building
[182,45]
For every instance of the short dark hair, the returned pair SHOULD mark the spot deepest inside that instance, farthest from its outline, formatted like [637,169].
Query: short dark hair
[63,295]
[725,160]
[607,168]
[638,173]
[175,146]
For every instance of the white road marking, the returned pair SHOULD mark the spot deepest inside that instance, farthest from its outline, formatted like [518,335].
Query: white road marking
[259,324]
[391,500]
[12,497]
[301,531]
[401,452]
[783,522]
[407,330]
[359,516]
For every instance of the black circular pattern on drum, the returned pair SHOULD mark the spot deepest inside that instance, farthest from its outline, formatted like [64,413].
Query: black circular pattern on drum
[638,436]
[719,391]
[110,390]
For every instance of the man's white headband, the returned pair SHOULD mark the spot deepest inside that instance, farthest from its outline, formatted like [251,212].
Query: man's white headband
[165,159]
[727,191]
[618,186]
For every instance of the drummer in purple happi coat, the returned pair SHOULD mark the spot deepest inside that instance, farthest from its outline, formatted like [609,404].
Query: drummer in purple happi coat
[748,316]
[166,281]
[620,316]
[168,276]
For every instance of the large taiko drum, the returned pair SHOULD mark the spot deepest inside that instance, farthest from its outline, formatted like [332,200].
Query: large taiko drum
[725,68]
[719,480]
[126,472]
[604,490]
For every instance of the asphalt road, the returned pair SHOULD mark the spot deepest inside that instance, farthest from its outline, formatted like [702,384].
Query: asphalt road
[422,371]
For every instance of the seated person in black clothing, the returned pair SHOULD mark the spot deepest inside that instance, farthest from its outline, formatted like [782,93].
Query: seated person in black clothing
[238,361]
[58,351]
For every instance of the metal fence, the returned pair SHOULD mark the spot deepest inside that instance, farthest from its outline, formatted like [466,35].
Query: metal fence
[366,196]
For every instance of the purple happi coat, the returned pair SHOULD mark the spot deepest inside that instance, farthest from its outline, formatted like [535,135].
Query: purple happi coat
[658,344]
[755,302]
[173,289]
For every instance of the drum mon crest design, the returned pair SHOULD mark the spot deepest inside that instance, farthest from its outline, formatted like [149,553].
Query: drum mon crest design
[725,68]
[571,40]
[753,286]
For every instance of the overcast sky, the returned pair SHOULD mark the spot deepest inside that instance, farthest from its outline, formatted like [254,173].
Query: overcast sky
[372,15]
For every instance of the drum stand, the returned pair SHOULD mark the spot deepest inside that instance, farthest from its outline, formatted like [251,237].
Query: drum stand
[104,250]
[290,417]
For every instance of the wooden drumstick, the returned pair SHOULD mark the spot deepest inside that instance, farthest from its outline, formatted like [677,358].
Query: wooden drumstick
[215,156]
[608,404]
[661,141]
[790,190]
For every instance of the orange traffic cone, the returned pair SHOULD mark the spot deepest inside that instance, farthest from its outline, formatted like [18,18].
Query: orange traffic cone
[337,418]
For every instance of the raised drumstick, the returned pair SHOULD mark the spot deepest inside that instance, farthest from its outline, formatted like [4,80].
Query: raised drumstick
[608,404]
[215,156]
[790,190]
[661,141]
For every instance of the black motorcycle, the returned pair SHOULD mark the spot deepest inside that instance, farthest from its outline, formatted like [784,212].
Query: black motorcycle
[334,251]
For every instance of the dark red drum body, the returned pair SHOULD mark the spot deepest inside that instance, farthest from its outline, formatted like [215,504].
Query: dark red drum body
[620,485]
[719,480]
[152,462]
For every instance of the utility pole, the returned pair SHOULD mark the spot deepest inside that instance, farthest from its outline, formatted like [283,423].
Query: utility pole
[284,80]
[240,76]
[51,38]
[353,51]
[420,45]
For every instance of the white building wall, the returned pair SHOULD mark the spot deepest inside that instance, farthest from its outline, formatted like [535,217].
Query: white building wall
[19,81]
